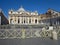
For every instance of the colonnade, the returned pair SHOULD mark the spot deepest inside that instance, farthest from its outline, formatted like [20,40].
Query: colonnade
[23,20]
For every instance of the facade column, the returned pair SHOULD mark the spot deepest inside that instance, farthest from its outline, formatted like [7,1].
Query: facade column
[31,20]
[34,20]
[59,22]
[9,20]
[16,20]
[28,20]
[20,20]
[56,22]
[37,21]
[13,20]
[23,20]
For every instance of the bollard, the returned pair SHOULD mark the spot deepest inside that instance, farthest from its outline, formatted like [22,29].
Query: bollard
[54,35]
[23,34]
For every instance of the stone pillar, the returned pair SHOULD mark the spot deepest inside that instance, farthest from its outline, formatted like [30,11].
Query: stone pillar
[37,21]
[9,20]
[13,20]
[23,34]
[23,20]
[34,20]
[28,20]
[54,35]
[20,20]
[16,20]
[58,22]
[31,20]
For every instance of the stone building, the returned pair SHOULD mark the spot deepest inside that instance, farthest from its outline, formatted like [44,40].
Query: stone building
[54,16]
[23,17]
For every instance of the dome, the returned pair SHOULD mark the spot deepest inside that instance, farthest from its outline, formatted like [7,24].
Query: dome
[21,9]
[11,10]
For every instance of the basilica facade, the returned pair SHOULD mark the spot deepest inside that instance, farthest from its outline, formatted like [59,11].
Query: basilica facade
[23,17]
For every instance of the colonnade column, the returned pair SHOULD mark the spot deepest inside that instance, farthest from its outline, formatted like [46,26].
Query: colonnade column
[16,20]
[31,20]
[13,20]
[23,20]
[37,21]
[28,20]
[20,20]
[58,22]
[34,20]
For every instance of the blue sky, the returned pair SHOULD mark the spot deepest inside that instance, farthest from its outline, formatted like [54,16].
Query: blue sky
[30,5]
